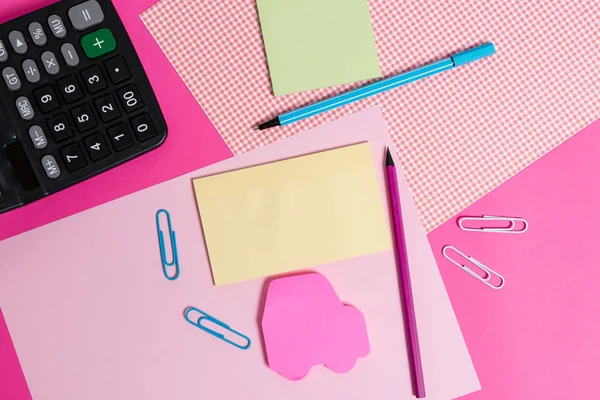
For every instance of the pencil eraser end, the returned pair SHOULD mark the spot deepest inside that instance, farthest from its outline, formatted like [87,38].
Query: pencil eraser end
[474,54]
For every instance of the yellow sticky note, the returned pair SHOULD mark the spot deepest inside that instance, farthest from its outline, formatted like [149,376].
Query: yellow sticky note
[292,214]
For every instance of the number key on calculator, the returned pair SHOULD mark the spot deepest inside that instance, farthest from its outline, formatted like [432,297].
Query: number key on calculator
[74,100]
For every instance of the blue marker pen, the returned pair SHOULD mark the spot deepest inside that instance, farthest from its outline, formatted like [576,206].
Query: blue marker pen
[383,85]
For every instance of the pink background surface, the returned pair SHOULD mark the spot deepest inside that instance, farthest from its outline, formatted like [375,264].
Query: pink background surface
[12,382]
[537,338]
[191,144]
[125,336]
[533,339]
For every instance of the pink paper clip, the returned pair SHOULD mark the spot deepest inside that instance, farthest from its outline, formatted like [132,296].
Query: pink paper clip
[488,273]
[511,228]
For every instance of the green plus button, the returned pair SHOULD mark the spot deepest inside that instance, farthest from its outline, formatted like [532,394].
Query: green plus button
[98,43]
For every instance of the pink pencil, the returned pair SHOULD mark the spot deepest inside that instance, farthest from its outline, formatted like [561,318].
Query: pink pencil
[410,321]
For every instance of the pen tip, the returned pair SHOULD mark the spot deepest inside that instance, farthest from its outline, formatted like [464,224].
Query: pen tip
[255,128]
[389,161]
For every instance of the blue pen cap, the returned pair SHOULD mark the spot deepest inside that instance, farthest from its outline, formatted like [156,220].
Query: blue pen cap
[474,54]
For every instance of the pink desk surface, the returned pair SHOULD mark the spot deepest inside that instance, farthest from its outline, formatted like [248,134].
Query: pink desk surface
[537,338]
[192,142]
[12,382]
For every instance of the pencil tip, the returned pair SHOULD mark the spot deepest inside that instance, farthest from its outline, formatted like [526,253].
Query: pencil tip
[389,161]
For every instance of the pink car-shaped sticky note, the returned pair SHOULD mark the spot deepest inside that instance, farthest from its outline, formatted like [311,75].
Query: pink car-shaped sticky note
[305,324]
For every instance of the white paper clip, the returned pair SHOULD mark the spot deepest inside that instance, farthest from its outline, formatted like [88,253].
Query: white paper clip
[495,229]
[489,273]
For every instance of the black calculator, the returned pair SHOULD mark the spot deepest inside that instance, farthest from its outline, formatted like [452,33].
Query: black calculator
[74,100]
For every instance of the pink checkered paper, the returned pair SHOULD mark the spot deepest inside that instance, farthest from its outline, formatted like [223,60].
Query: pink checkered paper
[459,134]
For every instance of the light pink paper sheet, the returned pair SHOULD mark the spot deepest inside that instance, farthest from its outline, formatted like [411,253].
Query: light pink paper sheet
[92,316]
[306,324]
[536,338]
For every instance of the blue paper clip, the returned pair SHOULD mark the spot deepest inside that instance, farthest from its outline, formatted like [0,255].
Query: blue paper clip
[205,317]
[163,250]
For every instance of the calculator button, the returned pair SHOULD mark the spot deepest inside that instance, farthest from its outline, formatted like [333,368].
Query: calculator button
[37,34]
[38,138]
[73,157]
[120,137]
[57,26]
[143,128]
[70,89]
[59,128]
[32,73]
[94,79]
[98,43]
[84,119]
[11,78]
[17,40]
[130,98]
[86,15]
[96,147]
[24,106]
[3,52]
[107,108]
[70,54]
[51,167]
[117,69]
[46,99]
[50,63]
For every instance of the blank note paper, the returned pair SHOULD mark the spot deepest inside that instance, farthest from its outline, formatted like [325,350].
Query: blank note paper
[305,324]
[292,214]
[312,44]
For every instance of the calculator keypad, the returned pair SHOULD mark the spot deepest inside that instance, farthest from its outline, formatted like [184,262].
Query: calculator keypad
[82,102]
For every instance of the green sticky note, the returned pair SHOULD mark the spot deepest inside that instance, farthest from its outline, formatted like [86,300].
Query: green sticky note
[312,44]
